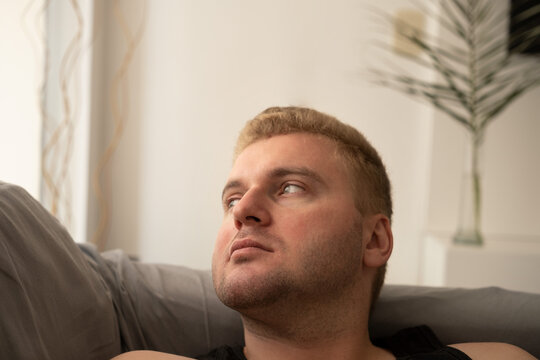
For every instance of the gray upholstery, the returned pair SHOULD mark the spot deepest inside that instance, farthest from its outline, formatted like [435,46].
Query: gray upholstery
[462,315]
[52,304]
[167,308]
[59,302]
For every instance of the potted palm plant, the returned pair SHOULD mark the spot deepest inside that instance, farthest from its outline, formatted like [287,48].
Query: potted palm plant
[478,74]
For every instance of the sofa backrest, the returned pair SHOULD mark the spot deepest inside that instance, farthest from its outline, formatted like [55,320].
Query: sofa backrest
[59,302]
[178,311]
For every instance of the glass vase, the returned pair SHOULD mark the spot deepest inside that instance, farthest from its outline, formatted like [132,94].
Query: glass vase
[469,227]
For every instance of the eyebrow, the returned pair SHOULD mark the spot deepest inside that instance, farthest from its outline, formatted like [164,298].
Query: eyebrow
[229,185]
[279,173]
[302,171]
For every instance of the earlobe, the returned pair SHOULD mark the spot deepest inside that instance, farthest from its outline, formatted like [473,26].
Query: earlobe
[379,241]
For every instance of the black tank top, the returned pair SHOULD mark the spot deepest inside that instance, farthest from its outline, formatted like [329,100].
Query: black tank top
[417,343]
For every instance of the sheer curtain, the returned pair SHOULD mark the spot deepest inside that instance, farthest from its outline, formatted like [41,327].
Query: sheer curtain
[64,97]
[91,45]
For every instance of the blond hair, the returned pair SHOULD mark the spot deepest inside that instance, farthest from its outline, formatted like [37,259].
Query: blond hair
[369,179]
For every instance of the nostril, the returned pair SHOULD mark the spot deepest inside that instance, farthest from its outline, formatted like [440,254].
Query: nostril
[254,218]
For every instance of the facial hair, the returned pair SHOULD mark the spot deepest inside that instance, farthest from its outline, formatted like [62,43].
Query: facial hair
[325,267]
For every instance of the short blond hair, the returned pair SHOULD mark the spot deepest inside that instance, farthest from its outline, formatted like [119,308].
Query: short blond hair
[369,178]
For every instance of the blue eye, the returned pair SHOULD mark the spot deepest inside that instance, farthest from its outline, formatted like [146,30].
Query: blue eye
[232,202]
[291,189]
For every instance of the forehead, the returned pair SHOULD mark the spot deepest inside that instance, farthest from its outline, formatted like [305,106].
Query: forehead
[300,150]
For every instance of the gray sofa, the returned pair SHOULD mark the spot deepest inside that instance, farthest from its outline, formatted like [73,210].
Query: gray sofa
[60,300]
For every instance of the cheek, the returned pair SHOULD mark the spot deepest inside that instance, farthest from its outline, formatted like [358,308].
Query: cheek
[224,235]
[318,220]
[325,222]
[308,225]
[218,256]
[294,231]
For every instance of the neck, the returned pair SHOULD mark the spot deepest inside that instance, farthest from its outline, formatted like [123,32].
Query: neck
[331,330]
[348,346]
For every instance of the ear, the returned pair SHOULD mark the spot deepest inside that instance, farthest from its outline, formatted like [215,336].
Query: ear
[379,240]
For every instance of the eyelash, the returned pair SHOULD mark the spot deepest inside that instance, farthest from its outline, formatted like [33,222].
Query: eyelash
[228,202]
[285,185]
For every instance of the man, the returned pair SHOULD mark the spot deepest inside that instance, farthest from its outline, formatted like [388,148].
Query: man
[304,243]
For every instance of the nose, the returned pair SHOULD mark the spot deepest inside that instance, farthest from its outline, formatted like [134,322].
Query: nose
[251,210]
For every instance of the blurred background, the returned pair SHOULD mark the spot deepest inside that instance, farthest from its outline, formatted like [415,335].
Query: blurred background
[121,117]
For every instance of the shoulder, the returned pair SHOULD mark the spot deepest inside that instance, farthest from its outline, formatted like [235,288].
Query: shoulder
[148,355]
[493,351]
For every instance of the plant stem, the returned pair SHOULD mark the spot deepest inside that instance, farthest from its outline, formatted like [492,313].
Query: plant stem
[476,184]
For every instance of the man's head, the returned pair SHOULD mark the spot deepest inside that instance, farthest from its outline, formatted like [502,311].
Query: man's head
[303,209]
[368,174]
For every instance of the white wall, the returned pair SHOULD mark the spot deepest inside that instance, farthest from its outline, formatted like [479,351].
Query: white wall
[205,67]
[20,126]
[202,69]
[511,173]
[510,170]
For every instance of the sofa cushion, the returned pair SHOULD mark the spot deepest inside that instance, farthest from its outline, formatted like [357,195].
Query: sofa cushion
[53,305]
[62,303]
[461,315]
[166,308]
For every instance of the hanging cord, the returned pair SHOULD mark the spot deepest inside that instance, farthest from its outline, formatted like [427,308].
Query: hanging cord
[59,145]
[44,81]
[67,69]
[118,97]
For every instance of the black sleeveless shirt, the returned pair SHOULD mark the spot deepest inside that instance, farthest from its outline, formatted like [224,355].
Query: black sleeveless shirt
[417,343]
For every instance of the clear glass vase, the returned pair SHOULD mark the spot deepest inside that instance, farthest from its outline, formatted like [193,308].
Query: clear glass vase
[469,227]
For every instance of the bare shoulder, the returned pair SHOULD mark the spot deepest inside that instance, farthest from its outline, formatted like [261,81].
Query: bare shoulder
[493,351]
[148,355]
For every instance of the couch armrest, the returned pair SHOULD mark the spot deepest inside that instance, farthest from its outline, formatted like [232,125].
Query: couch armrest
[53,306]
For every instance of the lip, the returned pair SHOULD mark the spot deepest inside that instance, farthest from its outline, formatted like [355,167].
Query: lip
[246,243]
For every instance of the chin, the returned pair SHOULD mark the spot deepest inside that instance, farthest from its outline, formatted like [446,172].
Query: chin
[244,291]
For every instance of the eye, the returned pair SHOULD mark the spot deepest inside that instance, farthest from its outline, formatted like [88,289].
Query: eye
[291,189]
[231,202]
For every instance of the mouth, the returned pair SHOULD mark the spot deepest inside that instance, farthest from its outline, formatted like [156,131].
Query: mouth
[246,244]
